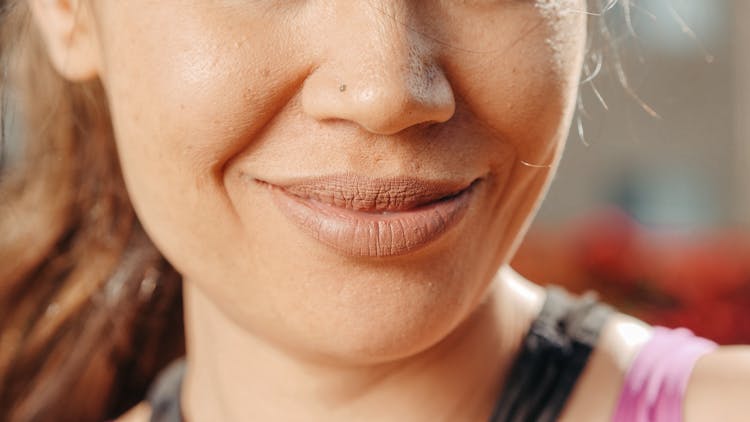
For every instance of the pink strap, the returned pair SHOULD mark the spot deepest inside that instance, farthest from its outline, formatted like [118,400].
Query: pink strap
[656,382]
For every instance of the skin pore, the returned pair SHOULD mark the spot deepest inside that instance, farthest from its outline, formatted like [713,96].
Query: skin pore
[209,98]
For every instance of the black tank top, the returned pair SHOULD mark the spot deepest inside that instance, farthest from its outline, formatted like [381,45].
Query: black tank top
[552,357]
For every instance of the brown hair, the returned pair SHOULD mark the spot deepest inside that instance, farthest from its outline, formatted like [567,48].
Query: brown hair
[85,298]
[89,309]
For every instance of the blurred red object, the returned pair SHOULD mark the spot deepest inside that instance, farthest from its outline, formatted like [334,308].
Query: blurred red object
[698,280]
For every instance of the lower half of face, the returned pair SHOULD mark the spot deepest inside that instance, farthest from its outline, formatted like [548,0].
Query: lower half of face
[341,178]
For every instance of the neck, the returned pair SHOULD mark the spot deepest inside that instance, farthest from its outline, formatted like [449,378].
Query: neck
[235,376]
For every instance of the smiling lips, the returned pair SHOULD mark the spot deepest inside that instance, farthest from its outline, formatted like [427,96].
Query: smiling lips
[369,217]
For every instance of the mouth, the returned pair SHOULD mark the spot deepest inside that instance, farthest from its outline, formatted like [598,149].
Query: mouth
[373,217]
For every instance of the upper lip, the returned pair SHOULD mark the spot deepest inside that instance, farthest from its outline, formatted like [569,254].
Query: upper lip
[382,194]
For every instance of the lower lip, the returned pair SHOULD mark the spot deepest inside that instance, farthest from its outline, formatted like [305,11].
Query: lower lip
[363,234]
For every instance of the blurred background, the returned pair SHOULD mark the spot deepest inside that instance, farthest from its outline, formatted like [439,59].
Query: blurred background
[651,206]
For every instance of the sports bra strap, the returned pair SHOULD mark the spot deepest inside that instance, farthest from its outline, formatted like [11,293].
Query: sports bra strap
[553,355]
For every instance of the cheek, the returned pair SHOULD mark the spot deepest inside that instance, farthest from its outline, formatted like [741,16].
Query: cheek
[520,76]
[204,82]
[523,89]
[183,102]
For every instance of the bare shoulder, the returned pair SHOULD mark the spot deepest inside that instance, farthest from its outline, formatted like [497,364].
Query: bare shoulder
[719,388]
[140,413]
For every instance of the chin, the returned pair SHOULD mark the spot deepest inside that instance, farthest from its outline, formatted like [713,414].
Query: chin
[363,316]
[375,337]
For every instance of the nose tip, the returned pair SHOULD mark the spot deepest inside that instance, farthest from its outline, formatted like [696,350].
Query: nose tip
[394,106]
[384,101]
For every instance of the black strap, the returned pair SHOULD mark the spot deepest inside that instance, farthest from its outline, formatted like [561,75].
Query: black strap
[553,355]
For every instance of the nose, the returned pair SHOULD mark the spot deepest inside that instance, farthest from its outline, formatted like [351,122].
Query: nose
[378,74]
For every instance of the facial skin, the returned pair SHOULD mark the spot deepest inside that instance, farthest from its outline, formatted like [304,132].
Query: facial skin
[207,95]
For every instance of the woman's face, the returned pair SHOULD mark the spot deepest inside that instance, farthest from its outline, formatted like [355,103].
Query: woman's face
[369,114]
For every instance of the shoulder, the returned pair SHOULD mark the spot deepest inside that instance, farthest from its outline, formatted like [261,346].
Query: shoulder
[719,387]
[140,413]
[620,341]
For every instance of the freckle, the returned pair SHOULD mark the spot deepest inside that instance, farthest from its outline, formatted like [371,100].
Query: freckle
[266,72]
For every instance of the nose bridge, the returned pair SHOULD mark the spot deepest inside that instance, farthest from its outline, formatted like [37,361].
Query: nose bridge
[391,46]
[378,72]
[389,68]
